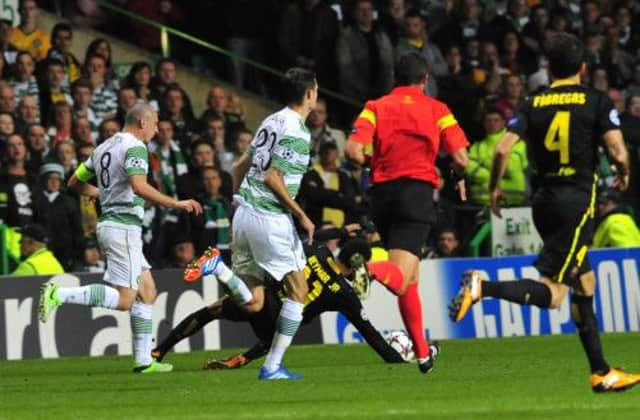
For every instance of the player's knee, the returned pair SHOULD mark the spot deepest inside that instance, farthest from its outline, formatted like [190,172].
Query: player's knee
[299,293]
[557,297]
[125,302]
[556,301]
[256,304]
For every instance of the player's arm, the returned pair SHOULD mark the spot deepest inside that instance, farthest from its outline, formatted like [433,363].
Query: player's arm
[619,156]
[136,164]
[454,142]
[274,180]
[240,169]
[79,182]
[353,312]
[498,168]
[361,138]
[142,188]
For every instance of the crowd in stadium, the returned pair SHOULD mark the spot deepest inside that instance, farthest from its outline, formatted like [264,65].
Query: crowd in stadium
[484,59]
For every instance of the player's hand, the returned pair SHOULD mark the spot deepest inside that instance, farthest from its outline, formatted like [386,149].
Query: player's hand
[308,226]
[496,197]
[190,206]
[461,187]
[621,182]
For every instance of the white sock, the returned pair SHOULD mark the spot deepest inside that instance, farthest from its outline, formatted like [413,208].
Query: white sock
[240,293]
[96,295]
[286,328]
[141,314]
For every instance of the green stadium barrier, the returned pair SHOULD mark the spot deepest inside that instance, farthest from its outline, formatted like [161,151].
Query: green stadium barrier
[164,41]
[481,235]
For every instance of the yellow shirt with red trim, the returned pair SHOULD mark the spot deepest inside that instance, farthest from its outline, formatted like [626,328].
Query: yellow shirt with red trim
[406,128]
[36,43]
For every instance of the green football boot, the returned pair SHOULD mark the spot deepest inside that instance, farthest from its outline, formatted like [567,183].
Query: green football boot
[48,301]
[154,367]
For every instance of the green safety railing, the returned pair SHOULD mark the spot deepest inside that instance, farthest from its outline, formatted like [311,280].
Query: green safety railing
[4,257]
[166,48]
[478,239]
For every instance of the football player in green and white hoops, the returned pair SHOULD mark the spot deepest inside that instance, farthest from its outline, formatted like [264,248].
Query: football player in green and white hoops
[120,165]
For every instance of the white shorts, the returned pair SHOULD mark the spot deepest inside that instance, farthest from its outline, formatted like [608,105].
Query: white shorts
[265,243]
[123,249]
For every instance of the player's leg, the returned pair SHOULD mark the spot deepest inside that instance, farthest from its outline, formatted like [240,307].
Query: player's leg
[412,212]
[112,241]
[223,308]
[287,325]
[410,305]
[238,286]
[561,217]
[94,295]
[389,275]
[603,378]
[263,326]
[210,263]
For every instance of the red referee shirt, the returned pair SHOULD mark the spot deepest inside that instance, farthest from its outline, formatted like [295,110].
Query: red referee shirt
[405,128]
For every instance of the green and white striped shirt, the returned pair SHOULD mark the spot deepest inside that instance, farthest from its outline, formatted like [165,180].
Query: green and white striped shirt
[104,101]
[22,89]
[283,142]
[113,162]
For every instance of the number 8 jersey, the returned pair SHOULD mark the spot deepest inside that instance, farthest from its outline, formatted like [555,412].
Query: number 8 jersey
[282,142]
[563,127]
[112,163]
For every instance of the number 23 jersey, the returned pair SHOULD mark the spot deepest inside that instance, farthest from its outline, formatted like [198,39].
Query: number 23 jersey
[563,127]
[113,162]
[281,142]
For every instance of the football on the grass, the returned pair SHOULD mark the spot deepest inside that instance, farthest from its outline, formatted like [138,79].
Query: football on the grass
[401,343]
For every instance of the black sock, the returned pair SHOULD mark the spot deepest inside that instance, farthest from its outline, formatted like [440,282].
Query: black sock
[259,350]
[587,326]
[189,326]
[231,312]
[525,292]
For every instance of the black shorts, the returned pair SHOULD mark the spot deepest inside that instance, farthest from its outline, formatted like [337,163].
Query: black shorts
[563,216]
[403,213]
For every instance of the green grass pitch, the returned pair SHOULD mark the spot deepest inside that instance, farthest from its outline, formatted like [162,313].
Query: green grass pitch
[523,378]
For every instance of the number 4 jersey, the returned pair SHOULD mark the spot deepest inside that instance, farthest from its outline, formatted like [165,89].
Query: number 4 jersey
[282,142]
[563,127]
[112,163]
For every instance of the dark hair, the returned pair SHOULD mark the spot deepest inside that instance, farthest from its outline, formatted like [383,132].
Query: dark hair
[22,2]
[15,66]
[410,69]
[54,62]
[352,247]
[494,110]
[164,118]
[60,27]
[92,56]
[130,79]
[566,54]
[199,143]
[209,168]
[81,83]
[449,230]
[212,117]
[295,84]
[414,13]
[93,48]
[162,61]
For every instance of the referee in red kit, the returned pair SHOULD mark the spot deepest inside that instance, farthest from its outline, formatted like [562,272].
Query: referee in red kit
[405,129]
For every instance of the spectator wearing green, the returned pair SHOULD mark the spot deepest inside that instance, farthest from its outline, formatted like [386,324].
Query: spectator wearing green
[37,260]
[514,185]
[616,229]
